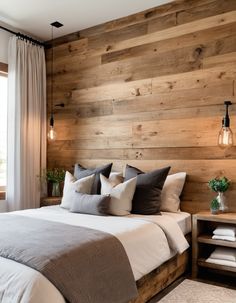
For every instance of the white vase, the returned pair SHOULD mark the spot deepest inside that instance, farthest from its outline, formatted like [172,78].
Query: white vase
[223,207]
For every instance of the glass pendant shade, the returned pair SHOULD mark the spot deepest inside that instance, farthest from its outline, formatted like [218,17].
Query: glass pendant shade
[225,138]
[52,135]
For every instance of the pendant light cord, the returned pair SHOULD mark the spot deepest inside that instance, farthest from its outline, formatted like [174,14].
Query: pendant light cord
[52,58]
[57,25]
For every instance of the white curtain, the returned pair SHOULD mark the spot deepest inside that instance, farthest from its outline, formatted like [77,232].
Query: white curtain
[26,153]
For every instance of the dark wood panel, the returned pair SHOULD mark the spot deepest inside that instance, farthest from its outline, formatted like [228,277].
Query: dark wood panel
[2,195]
[3,67]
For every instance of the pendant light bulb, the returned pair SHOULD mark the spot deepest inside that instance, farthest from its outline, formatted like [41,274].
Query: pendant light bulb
[52,135]
[225,138]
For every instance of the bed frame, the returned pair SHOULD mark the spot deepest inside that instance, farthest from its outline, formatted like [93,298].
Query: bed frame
[157,280]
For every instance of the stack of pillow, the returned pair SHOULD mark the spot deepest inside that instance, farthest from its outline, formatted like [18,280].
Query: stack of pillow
[223,256]
[101,192]
[226,233]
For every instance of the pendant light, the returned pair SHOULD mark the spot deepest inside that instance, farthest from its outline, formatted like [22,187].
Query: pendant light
[225,138]
[52,134]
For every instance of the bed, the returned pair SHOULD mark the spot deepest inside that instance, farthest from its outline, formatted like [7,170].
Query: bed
[155,246]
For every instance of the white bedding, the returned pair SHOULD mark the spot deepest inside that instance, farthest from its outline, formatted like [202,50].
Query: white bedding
[183,219]
[148,241]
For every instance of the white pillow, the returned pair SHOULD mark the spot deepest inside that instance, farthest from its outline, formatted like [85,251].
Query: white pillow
[171,191]
[121,195]
[72,185]
[224,253]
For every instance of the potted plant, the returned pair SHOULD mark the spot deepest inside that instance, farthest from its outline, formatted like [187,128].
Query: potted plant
[215,205]
[220,185]
[55,177]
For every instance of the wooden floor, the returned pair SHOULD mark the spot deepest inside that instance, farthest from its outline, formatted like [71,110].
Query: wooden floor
[205,277]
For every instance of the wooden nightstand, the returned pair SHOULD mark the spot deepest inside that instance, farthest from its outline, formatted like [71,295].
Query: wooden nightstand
[49,201]
[203,245]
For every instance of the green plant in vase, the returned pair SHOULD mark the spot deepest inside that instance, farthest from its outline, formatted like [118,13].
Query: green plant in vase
[55,176]
[215,205]
[220,185]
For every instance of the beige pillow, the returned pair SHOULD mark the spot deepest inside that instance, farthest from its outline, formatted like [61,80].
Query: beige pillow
[121,195]
[116,178]
[72,186]
[171,192]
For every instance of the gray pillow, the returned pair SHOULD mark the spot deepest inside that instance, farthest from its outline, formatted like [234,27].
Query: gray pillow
[91,204]
[147,196]
[81,172]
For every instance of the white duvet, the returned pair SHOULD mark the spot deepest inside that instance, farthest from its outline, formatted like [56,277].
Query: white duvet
[148,241]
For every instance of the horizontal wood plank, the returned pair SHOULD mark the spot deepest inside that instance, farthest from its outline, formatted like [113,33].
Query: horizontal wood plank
[179,30]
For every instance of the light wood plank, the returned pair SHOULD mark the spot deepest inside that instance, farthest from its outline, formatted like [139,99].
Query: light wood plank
[201,37]
[181,132]
[113,91]
[179,30]
[220,60]
[205,10]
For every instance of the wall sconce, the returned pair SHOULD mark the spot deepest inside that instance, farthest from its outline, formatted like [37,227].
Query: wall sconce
[225,138]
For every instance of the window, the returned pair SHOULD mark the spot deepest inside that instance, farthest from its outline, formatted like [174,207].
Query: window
[3,126]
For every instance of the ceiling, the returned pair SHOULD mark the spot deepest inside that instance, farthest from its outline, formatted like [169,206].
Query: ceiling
[34,17]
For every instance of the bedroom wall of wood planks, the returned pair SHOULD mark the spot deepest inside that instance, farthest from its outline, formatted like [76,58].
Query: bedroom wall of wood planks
[148,90]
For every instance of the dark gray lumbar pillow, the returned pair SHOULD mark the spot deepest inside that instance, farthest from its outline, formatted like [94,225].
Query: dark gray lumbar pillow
[147,196]
[81,172]
[91,204]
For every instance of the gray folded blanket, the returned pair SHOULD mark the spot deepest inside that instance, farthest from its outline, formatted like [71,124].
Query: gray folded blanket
[85,265]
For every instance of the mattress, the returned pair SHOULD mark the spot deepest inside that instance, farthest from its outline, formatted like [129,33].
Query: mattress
[146,243]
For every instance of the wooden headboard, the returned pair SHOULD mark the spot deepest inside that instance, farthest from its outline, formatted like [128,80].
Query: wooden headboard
[148,90]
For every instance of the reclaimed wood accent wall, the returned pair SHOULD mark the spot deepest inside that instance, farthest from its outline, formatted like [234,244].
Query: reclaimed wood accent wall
[148,90]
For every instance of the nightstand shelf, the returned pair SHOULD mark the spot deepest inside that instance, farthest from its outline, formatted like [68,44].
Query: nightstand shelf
[49,201]
[202,262]
[202,243]
[208,240]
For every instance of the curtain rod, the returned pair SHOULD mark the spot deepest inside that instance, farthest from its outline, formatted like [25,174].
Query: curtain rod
[23,36]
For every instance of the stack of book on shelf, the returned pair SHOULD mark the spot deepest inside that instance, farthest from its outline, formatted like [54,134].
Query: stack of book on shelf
[224,255]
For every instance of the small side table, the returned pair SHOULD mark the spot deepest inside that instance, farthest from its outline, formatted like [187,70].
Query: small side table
[203,224]
[49,201]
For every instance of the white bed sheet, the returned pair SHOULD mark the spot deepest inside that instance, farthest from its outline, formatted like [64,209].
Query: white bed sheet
[183,219]
[21,284]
